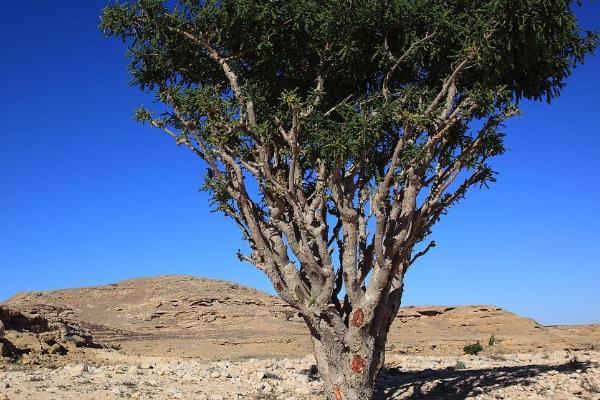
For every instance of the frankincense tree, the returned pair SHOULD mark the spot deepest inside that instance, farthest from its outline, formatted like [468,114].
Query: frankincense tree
[336,133]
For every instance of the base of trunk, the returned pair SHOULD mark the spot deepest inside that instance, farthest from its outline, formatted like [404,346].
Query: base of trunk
[350,393]
[348,374]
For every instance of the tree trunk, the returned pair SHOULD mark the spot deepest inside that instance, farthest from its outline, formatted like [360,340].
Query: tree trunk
[350,361]
[348,365]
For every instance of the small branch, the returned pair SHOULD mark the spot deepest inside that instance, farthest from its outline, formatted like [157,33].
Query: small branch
[451,79]
[179,139]
[421,253]
[227,70]
[321,73]
[341,103]
[399,61]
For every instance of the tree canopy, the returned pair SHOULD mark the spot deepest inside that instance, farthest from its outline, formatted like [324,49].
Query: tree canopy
[343,110]
[359,122]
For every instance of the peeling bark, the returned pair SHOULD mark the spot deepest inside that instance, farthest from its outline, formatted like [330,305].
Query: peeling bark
[348,364]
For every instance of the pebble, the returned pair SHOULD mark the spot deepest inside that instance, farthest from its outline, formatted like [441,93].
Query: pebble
[288,379]
[266,388]
[78,370]
[146,365]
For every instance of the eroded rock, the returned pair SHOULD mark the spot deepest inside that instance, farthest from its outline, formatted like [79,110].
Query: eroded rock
[31,334]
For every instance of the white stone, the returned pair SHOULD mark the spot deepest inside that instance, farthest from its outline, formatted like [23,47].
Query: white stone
[78,370]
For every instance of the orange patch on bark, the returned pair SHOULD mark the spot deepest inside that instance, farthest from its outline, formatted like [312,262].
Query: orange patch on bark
[358,317]
[358,364]
[337,393]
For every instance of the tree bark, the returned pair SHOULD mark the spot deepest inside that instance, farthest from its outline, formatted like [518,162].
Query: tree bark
[348,364]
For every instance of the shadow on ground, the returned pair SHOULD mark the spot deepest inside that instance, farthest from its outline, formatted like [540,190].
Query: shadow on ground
[453,384]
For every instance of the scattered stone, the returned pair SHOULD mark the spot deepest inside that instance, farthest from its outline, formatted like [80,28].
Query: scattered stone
[117,391]
[78,370]
[477,390]
[266,388]
[146,365]
[303,390]
[526,377]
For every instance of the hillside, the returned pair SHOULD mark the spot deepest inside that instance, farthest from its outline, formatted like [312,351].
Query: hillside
[183,316]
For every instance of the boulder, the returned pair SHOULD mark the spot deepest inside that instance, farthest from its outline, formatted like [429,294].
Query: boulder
[39,335]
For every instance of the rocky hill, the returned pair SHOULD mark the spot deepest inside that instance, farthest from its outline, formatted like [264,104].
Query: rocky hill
[182,316]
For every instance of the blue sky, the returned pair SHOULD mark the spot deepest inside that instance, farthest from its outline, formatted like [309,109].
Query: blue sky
[87,196]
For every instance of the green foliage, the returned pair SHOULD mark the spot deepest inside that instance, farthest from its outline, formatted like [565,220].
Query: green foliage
[473,349]
[142,115]
[279,49]
[528,47]
[217,188]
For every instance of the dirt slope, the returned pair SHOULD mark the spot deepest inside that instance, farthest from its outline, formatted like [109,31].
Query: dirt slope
[194,317]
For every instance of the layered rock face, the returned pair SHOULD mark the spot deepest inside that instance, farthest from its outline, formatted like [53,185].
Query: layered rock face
[194,317]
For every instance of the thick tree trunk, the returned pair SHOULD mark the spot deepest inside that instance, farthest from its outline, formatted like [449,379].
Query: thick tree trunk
[350,361]
[348,365]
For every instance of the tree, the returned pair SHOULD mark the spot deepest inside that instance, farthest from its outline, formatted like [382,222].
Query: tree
[336,133]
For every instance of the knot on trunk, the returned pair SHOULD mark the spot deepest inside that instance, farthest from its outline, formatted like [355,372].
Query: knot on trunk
[337,393]
[358,364]
[358,317]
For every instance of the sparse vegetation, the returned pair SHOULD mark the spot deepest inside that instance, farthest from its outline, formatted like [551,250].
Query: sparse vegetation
[460,365]
[473,349]
[492,341]
[289,315]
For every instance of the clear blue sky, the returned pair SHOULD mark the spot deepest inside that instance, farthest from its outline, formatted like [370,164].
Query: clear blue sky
[87,196]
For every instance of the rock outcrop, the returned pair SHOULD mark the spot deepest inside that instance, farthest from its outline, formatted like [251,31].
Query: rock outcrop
[32,334]
[195,317]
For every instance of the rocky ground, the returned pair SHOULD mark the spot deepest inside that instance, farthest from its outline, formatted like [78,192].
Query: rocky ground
[185,338]
[110,375]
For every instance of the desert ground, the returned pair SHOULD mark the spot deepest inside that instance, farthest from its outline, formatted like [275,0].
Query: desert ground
[177,337]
